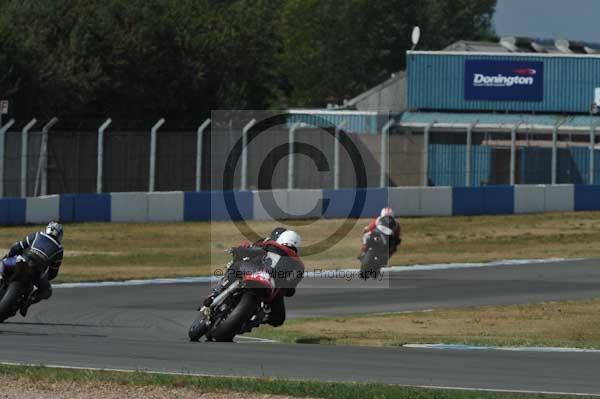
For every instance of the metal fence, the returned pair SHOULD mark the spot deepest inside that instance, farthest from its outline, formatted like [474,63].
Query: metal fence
[51,160]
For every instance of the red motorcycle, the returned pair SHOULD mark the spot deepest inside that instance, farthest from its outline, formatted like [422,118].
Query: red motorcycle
[239,308]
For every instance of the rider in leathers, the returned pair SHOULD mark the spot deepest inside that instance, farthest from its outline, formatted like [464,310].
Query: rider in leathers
[45,252]
[286,269]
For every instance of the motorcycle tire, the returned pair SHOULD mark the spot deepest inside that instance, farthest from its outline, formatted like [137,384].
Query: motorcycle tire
[198,328]
[11,301]
[225,329]
[366,271]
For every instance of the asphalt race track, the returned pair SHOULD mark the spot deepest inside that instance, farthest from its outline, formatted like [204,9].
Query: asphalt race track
[145,328]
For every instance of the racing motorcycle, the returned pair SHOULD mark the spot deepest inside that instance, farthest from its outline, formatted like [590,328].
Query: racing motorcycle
[376,255]
[239,308]
[16,285]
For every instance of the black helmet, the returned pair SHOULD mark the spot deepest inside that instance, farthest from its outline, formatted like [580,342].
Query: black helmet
[276,233]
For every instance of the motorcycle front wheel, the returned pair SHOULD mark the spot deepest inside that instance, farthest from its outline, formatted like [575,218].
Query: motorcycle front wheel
[198,328]
[226,328]
[11,300]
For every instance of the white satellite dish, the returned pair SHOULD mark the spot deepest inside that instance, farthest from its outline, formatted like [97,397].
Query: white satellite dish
[416,35]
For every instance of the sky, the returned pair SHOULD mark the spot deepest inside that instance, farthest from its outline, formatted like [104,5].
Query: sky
[567,19]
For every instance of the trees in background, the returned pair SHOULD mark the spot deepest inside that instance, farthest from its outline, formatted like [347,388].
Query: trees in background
[182,58]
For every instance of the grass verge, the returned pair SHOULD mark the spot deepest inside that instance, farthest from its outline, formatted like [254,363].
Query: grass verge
[253,385]
[118,251]
[557,324]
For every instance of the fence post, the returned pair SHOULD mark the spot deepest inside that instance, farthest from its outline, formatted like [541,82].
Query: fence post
[24,141]
[244,185]
[513,139]
[592,151]
[468,168]
[424,172]
[554,152]
[199,140]
[385,135]
[336,155]
[41,176]
[155,128]
[100,160]
[291,155]
[3,131]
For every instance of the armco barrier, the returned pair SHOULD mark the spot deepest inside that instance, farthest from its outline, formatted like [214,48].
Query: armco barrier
[213,205]
[165,206]
[587,198]
[530,199]
[284,204]
[92,208]
[129,207]
[405,201]
[498,200]
[249,205]
[353,203]
[436,201]
[559,198]
[12,211]
[488,200]
[42,209]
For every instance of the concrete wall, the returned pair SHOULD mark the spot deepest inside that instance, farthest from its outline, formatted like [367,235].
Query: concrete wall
[298,204]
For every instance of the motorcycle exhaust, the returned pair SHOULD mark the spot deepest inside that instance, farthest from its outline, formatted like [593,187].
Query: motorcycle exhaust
[221,297]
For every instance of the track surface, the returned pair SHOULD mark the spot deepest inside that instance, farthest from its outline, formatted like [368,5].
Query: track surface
[145,327]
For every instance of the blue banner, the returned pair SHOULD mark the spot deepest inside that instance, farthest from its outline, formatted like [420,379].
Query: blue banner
[495,80]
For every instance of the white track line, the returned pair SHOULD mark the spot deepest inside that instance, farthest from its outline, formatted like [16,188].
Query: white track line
[241,338]
[118,370]
[317,274]
[462,347]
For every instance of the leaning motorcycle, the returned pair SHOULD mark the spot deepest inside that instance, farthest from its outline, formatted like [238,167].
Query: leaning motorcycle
[375,256]
[16,286]
[239,308]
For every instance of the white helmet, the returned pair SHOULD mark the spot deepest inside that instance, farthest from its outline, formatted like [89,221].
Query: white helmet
[290,239]
[386,212]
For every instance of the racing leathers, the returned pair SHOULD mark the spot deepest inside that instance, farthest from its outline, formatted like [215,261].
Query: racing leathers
[395,238]
[45,253]
[285,267]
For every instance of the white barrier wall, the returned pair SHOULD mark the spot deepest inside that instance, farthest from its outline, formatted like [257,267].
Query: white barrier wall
[405,201]
[129,207]
[436,201]
[559,198]
[42,209]
[295,204]
[530,199]
[165,206]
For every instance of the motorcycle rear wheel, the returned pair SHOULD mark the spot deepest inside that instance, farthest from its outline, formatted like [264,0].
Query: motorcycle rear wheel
[225,329]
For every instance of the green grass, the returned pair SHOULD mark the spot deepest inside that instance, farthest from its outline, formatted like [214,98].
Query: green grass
[554,324]
[118,251]
[255,385]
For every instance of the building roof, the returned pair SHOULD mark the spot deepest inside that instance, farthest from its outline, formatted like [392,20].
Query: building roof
[515,44]
[500,122]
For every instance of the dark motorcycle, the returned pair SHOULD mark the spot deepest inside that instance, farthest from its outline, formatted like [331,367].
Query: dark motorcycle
[15,287]
[239,308]
[375,256]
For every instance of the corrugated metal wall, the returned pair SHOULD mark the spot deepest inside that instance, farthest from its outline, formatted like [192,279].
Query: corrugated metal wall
[436,82]
[447,165]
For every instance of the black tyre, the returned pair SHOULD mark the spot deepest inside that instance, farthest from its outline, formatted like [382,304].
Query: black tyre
[366,271]
[198,328]
[10,302]
[225,329]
